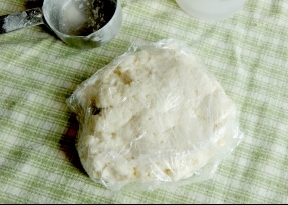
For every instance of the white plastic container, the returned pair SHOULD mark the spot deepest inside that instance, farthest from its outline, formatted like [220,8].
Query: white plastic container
[211,10]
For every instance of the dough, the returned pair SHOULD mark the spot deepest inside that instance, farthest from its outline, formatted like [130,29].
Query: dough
[155,116]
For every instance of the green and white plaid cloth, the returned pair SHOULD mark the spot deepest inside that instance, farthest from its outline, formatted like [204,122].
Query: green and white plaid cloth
[247,53]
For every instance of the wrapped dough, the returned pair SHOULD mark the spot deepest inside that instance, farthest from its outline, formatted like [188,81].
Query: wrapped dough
[154,116]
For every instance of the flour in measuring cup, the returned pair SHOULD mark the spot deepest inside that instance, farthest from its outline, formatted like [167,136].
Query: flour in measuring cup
[83,17]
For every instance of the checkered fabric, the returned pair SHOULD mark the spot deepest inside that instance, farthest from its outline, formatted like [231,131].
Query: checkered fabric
[248,54]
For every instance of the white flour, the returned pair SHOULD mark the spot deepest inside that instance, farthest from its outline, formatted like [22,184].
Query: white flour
[83,17]
[23,19]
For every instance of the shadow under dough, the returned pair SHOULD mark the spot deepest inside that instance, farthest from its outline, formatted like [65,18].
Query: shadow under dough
[67,143]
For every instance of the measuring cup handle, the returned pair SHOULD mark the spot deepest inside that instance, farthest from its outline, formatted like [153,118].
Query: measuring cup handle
[19,20]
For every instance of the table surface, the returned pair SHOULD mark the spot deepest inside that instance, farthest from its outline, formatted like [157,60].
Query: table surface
[247,53]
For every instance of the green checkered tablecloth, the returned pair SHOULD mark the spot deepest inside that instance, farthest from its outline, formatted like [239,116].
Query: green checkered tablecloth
[247,53]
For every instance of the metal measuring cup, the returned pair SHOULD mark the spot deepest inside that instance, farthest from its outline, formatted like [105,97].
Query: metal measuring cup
[78,23]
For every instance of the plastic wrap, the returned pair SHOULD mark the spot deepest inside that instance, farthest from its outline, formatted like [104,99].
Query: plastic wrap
[153,117]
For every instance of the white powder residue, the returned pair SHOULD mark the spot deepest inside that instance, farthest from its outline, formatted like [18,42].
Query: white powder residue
[79,17]
[23,19]
[15,21]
